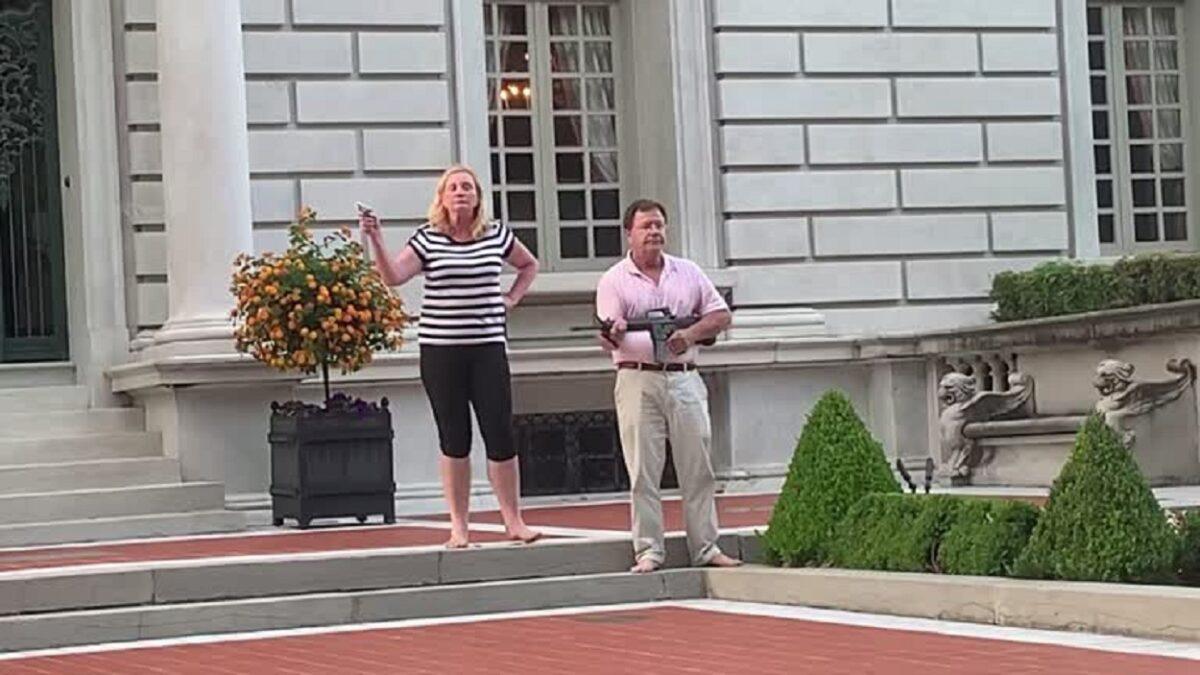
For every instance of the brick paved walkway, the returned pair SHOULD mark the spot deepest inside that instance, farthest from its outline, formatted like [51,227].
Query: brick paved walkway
[658,639]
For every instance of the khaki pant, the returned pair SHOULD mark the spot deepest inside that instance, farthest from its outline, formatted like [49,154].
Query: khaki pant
[652,407]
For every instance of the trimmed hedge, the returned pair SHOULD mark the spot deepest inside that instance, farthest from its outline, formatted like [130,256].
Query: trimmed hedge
[1102,522]
[836,463]
[938,533]
[1062,287]
[1189,548]
[987,537]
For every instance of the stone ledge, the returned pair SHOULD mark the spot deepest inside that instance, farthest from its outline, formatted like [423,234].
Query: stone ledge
[1170,612]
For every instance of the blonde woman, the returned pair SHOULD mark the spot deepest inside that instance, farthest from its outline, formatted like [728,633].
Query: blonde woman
[462,334]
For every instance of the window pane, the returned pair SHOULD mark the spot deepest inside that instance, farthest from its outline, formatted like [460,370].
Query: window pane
[1164,20]
[519,169]
[598,57]
[601,94]
[607,241]
[490,49]
[1171,157]
[1143,193]
[512,20]
[1134,21]
[1141,124]
[565,94]
[1166,88]
[595,21]
[1095,21]
[570,206]
[1172,192]
[1166,57]
[496,178]
[604,167]
[1100,125]
[491,93]
[569,167]
[567,131]
[1137,55]
[1170,124]
[496,204]
[564,20]
[1099,90]
[1145,227]
[1175,226]
[1103,159]
[515,95]
[514,57]
[564,57]
[1141,159]
[1096,55]
[573,242]
[606,205]
[518,132]
[1137,89]
[493,137]
[602,131]
[1107,231]
[521,206]
[527,236]
[1104,195]
[488,26]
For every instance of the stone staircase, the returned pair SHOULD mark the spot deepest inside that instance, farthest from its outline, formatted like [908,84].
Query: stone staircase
[70,473]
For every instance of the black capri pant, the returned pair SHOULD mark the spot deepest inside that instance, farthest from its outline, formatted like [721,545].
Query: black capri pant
[459,377]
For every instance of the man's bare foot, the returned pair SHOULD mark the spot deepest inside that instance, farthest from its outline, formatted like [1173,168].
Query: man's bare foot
[523,534]
[645,566]
[722,560]
[457,540]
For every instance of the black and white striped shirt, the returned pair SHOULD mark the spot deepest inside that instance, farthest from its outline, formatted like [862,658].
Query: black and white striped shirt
[463,304]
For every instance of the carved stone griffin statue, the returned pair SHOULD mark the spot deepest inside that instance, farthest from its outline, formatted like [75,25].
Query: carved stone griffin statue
[1121,397]
[962,405]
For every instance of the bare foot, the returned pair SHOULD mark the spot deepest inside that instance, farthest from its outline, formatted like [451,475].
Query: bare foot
[523,534]
[457,540]
[722,560]
[645,566]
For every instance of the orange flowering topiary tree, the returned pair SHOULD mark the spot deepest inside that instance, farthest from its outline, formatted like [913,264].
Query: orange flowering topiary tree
[314,306]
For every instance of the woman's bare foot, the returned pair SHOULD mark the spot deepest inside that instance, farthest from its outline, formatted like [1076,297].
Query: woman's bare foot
[722,560]
[523,534]
[457,540]
[645,566]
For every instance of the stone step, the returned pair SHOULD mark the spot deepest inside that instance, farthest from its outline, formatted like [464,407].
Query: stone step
[36,399]
[41,507]
[20,375]
[58,449]
[61,629]
[59,423]
[121,527]
[101,473]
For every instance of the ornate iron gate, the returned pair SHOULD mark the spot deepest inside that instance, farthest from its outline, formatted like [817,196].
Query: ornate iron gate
[573,453]
[32,293]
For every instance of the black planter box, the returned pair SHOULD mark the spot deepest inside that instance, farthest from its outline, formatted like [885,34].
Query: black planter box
[333,461]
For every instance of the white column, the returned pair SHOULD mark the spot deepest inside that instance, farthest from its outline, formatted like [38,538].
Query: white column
[205,164]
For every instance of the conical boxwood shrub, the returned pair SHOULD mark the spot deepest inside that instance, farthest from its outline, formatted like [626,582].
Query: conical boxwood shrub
[1102,522]
[835,464]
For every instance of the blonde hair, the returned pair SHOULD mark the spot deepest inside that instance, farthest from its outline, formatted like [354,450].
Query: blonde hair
[440,220]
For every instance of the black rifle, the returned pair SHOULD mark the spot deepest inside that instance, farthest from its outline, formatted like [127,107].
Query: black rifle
[661,324]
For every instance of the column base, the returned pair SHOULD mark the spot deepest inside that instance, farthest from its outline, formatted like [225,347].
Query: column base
[188,337]
[751,324]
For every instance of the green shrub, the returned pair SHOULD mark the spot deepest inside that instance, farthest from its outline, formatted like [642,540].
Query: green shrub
[1102,522]
[986,537]
[1056,288]
[1063,287]
[1189,548]
[893,532]
[836,463]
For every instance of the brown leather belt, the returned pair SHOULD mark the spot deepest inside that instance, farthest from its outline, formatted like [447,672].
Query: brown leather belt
[657,367]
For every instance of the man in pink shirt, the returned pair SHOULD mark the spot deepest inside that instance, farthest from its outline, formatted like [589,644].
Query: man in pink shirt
[656,400]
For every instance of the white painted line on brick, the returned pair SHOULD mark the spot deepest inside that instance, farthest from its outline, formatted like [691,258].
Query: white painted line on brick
[1106,643]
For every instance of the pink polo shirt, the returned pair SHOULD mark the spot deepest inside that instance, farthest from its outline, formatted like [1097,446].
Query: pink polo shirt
[625,292]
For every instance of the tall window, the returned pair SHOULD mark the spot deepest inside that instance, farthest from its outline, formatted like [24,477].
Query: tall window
[1140,126]
[554,120]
